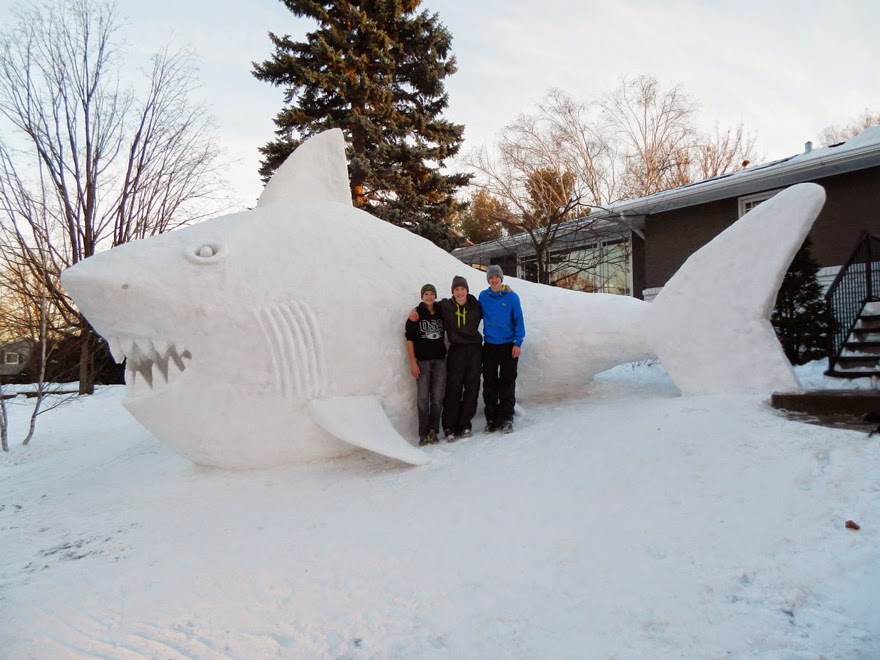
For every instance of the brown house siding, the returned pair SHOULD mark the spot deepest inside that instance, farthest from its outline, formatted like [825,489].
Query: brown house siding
[671,237]
[852,204]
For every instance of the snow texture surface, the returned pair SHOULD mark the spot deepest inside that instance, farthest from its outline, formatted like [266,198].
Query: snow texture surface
[238,329]
[632,524]
[727,345]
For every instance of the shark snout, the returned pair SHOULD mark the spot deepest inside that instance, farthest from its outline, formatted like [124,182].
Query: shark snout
[88,280]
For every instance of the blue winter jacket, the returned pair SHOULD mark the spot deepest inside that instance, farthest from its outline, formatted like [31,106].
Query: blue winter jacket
[502,317]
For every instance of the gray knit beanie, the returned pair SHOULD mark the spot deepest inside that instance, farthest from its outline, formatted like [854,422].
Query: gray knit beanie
[458,281]
[494,269]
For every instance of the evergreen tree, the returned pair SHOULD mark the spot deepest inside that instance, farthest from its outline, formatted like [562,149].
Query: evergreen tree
[801,318]
[375,69]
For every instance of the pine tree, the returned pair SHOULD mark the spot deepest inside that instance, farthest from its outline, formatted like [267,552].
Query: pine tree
[375,69]
[801,318]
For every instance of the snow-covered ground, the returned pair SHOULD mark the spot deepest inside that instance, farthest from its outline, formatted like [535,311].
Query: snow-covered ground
[634,523]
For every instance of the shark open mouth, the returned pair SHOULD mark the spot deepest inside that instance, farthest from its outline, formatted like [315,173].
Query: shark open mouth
[151,364]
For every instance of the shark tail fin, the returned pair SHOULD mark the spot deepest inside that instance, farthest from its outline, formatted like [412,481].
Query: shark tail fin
[710,325]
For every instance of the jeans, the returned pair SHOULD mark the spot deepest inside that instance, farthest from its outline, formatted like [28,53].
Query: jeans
[431,383]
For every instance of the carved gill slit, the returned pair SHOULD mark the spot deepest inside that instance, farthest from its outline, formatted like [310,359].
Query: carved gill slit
[308,346]
[300,348]
[317,351]
[272,335]
[295,347]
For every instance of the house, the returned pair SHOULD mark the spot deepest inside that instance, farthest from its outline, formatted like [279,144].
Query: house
[649,238]
[14,356]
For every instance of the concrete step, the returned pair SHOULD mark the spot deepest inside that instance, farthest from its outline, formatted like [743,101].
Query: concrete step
[858,372]
[854,361]
[865,333]
[829,402]
[868,346]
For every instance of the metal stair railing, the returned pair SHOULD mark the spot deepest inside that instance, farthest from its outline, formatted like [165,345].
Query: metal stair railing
[857,283]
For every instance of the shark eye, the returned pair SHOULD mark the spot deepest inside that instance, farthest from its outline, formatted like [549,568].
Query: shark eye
[208,253]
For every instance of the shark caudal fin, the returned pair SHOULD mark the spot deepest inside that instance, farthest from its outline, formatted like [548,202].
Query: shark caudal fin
[316,171]
[710,325]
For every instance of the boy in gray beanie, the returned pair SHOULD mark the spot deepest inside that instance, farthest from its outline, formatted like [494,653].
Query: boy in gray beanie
[504,331]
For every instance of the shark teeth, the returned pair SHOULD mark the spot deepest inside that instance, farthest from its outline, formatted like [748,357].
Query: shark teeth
[150,363]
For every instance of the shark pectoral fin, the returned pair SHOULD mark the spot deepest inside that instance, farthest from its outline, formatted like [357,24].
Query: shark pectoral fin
[362,422]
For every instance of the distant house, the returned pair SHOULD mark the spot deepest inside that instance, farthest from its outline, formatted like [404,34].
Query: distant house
[655,234]
[14,356]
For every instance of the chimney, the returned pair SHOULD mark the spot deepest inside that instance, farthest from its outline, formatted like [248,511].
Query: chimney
[808,147]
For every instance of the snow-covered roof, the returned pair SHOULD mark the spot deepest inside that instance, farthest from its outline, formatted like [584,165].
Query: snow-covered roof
[857,153]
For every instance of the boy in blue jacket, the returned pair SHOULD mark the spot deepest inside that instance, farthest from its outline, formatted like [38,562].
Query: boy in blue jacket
[503,334]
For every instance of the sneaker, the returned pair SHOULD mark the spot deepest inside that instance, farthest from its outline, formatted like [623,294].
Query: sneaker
[432,437]
[424,441]
[466,433]
[491,427]
[450,435]
[507,427]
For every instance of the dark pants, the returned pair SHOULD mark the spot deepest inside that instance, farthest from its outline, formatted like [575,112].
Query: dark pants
[432,376]
[499,382]
[462,386]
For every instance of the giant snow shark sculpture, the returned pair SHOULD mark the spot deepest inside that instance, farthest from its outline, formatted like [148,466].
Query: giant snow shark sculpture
[275,335]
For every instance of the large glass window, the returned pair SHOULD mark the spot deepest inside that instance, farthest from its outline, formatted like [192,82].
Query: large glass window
[603,267]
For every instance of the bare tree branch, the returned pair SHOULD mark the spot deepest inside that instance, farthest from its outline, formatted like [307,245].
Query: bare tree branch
[88,164]
[836,134]
[568,157]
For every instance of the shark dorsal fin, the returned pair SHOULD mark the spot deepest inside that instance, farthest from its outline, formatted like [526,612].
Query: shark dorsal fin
[316,171]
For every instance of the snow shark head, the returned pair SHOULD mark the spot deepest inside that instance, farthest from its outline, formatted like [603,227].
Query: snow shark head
[222,325]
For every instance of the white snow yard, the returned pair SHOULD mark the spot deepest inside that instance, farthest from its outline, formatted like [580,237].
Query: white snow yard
[633,523]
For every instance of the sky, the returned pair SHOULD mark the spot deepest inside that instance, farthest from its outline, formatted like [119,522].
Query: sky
[676,527]
[785,69]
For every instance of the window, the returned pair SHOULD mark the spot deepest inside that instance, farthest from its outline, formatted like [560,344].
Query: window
[602,267]
[749,202]
[11,358]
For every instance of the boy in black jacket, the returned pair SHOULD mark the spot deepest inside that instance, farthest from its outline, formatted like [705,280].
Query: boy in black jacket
[426,346]
[462,315]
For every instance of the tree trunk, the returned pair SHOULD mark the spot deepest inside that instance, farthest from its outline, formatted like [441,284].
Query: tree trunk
[41,381]
[542,255]
[87,360]
[4,423]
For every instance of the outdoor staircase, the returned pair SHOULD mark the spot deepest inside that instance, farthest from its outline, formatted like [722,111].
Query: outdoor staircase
[853,301]
[859,356]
